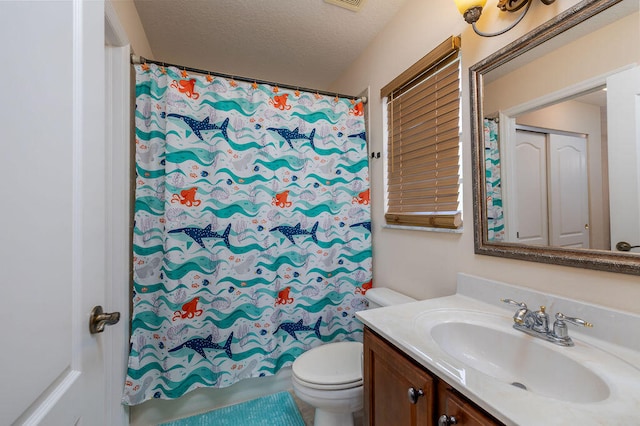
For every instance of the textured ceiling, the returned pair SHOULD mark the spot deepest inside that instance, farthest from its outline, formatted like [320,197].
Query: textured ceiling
[306,43]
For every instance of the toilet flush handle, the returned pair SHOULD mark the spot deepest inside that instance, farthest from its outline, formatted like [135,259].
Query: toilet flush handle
[414,394]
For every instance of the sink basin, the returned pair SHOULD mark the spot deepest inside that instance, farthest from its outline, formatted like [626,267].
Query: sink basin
[525,362]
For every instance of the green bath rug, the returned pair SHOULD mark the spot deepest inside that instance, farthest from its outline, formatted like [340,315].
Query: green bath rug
[277,409]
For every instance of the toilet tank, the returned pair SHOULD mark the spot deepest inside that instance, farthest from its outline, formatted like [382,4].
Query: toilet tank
[382,296]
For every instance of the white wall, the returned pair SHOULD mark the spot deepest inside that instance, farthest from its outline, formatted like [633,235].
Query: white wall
[425,264]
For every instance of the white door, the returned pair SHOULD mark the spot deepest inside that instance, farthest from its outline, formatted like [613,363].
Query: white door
[568,191]
[527,213]
[623,127]
[52,182]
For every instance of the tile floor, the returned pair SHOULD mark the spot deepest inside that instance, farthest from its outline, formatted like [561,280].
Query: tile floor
[308,411]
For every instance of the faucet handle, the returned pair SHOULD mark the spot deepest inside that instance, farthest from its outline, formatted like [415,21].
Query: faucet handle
[560,332]
[521,313]
[577,321]
[513,302]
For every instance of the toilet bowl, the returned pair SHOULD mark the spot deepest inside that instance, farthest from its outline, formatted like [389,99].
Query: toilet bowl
[329,377]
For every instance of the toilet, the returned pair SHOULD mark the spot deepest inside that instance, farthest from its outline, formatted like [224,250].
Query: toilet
[329,377]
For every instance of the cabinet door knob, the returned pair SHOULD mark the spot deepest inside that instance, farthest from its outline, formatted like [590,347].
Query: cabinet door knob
[445,420]
[414,394]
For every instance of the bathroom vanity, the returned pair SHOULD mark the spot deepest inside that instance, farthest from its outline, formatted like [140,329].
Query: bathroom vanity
[460,360]
[399,391]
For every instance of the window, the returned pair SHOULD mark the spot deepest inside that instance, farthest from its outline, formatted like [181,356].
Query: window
[423,125]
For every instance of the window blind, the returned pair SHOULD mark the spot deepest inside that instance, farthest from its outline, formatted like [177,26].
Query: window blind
[423,116]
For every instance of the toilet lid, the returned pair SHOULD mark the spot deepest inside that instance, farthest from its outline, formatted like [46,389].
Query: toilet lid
[331,364]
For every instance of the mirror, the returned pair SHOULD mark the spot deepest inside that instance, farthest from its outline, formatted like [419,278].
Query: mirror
[556,151]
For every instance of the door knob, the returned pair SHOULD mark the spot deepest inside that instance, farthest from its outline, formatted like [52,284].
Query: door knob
[99,319]
[624,246]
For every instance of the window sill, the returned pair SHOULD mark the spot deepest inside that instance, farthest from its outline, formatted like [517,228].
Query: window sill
[424,228]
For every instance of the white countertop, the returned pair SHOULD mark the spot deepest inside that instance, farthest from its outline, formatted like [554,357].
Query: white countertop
[618,365]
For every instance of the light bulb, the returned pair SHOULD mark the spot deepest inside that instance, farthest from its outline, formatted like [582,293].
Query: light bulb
[464,5]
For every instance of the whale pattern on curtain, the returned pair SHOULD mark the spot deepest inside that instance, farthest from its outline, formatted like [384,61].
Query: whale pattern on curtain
[252,229]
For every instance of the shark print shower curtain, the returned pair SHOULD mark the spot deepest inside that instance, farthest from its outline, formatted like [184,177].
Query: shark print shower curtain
[252,234]
[495,214]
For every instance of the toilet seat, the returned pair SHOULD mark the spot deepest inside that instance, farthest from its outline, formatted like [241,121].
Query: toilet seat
[332,366]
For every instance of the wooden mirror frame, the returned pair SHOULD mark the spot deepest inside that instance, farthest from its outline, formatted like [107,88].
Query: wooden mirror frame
[603,260]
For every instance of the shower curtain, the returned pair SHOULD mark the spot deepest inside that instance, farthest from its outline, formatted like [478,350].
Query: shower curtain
[252,235]
[495,215]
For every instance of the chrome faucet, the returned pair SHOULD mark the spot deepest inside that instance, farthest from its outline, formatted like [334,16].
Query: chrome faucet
[537,323]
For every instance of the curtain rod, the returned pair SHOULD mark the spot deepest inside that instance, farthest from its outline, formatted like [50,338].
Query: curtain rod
[136,60]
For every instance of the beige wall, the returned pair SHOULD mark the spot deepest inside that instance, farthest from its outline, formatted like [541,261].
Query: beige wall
[591,56]
[425,264]
[128,16]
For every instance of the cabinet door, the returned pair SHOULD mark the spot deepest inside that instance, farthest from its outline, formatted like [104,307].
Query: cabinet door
[389,378]
[453,405]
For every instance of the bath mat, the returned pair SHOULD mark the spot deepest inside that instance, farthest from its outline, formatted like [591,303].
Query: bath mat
[277,409]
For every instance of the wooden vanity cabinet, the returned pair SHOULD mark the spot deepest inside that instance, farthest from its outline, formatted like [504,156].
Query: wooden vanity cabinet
[389,376]
[398,391]
[454,405]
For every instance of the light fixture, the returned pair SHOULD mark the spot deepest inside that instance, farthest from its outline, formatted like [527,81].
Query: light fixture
[472,9]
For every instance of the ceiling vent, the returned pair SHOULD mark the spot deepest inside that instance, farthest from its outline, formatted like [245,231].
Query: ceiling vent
[354,5]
